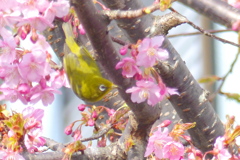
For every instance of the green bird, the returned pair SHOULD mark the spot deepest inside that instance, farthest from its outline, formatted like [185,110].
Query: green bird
[82,70]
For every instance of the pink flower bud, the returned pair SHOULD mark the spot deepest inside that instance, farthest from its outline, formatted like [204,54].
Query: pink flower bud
[165,123]
[138,76]
[34,36]
[134,52]
[198,153]
[102,143]
[77,135]
[94,114]
[124,50]
[68,129]
[81,107]
[23,88]
[81,29]
[110,112]
[90,122]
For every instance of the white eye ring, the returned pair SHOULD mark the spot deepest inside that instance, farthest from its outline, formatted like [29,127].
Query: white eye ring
[102,87]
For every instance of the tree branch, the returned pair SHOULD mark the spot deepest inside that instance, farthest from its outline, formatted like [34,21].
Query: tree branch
[217,10]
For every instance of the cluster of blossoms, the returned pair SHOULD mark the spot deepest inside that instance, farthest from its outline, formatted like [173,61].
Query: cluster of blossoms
[167,145]
[22,129]
[90,114]
[163,145]
[144,55]
[25,54]
[88,118]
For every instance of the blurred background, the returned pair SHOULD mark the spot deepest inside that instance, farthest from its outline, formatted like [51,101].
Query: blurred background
[203,56]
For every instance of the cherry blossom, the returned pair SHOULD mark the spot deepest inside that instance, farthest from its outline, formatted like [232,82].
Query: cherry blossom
[8,45]
[220,152]
[58,9]
[11,76]
[33,117]
[7,154]
[129,67]
[157,142]
[33,65]
[145,90]
[150,51]
[43,93]
[33,139]
[173,150]
[11,94]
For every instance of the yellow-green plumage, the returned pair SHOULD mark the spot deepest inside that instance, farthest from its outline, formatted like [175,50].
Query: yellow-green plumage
[82,71]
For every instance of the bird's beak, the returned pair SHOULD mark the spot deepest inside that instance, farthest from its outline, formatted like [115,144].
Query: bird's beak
[115,86]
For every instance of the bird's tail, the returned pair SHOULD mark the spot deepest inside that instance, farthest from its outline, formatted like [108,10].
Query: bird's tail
[71,43]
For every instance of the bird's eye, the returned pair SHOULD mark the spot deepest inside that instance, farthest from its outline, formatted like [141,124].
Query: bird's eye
[102,87]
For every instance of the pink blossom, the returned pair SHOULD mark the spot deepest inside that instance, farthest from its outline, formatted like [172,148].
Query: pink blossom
[30,7]
[33,66]
[58,9]
[46,94]
[9,19]
[10,74]
[7,4]
[41,44]
[8,45]
[11,133]
[234,3]
[32,112]
[173,150]
[236,25]
[33,139]
[220,151]
[150,53]
[33,117]
[59,79]
[157,142]
[11,94]
[110,111]
[166,90]
[37,22]
[7,154]
[145,90]
[129,67]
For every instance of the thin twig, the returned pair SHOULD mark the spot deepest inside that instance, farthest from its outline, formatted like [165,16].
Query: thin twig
[207,33]
[212,96]
[119,41]
[120,14]
[212,35]
[99,134]
[196,33]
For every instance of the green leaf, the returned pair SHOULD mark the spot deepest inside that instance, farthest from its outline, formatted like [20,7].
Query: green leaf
[234,96]
[209,79]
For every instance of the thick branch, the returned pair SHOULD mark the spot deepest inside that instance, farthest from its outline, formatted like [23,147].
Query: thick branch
[217,10]
[135,28]
[192,105]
